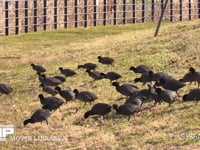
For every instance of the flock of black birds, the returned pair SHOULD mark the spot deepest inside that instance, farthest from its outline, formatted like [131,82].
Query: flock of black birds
[161,88]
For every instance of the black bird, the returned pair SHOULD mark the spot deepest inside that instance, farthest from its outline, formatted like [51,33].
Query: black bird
[154,95]
[111,76]
[170,84]
[38,116]
[61,78]
[135,100]
[144,93]
[144,78]
[159,75]
[191,76]
[98,109]
[49,81]
[68,95]
[38,68]
[167,95]
[141,69]
[193,95]
[195,76]
[151,76]
[51,103]
[88,66]
[105,60]
[5,89]
[67,72]
[49,89]
[126,109]
[94,74]
[126,89]
[85,96]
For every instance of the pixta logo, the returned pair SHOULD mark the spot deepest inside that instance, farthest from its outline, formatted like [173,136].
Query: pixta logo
[5,130]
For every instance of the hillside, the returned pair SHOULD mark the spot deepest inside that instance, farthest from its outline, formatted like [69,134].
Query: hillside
[175,50]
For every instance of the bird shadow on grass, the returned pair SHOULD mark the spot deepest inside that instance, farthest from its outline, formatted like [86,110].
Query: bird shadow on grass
[120,98]
[97,120]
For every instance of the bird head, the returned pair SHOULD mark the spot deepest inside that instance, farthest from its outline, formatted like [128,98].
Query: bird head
[60,68]
[192,70]
[26,122]
[132,68]
[137,80]
[115,106]
[57,88]
[158,90]
[80,66]
[99,57]
[115,84]
[185,97]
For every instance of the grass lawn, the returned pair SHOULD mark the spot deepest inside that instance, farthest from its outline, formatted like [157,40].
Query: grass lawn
[175,50]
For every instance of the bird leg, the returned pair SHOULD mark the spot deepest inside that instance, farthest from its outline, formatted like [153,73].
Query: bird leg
[84,104]
[155,103]
[129,117]
[46,122]
[196,102]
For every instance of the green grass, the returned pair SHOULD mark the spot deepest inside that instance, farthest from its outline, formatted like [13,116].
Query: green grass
[175,49]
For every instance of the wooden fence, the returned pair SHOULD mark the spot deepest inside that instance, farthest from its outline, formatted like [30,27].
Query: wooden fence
[18,16]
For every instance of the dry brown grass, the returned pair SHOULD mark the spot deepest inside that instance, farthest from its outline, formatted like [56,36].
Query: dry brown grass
[173,51]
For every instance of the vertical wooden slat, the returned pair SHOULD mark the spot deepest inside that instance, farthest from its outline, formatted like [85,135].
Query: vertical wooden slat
[76,13]
[198,8]
[85,14]
[34,4]
[6,18]
[161,4]
[190,9]
[115,12]
[35,15]
[124,11]
[95,13]
[134,11]
[16,17]
[152,10]
[55,14]
[181,10]
[44,14]
[143,10]
[26,16]
[65,13]
[104,12]
[171,10]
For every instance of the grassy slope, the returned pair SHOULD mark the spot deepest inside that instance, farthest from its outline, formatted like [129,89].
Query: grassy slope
[173,51]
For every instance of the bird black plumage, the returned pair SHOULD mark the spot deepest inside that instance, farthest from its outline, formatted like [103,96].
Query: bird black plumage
[111,76]
[141,69]
[68,95]
[50,102]
[125,89]
[88,66]
[105,60]
[67,72]
[5,89]
[126,109]
[38,68]
[98,109]
[85,96]
[38,116]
